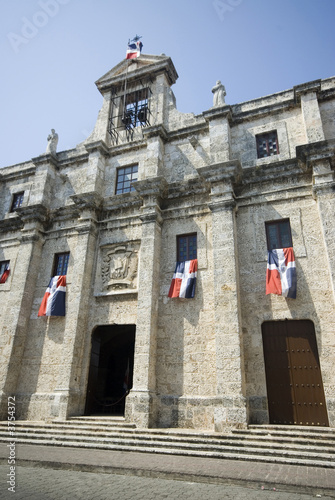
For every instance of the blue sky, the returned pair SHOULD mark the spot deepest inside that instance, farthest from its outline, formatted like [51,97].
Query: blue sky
[52,52]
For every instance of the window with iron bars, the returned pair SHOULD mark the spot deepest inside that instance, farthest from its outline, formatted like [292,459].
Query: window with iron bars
[135,111]
[267,144]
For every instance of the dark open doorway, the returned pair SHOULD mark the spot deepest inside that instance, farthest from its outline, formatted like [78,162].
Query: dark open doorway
[111,369]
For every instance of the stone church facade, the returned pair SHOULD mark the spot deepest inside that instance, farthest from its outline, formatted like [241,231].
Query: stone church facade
[116,213]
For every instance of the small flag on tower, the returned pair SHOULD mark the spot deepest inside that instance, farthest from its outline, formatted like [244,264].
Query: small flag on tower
[134,48]
[5,273]
[53,303]
[281,274]
[184,279]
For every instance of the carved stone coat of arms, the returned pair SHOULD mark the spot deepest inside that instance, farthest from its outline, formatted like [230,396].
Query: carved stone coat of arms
[119,267]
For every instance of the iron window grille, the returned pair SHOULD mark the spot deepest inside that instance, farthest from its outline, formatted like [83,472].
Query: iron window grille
[17,201]
[186,247]
[125,176]
[130,110]
[267,144]
[61,264]
[278,234]
[136,109]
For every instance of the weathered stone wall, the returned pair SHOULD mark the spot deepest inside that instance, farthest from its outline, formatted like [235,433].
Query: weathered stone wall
[314,300]
[198,363]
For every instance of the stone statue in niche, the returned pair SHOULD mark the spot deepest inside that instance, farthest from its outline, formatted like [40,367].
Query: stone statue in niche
[119,268]
[52,142]
[219,92]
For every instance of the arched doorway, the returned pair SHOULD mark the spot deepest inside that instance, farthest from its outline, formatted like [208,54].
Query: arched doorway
[111,369]
[293,376]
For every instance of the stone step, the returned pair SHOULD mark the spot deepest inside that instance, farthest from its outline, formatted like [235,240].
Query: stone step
[130,430]
[286,457]
[291,428]
[146,437]
[285,430]
[94,421]
[220,440]
[262,443]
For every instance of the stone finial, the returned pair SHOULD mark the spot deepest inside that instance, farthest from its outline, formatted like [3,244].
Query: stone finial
[52,142]
[219,92]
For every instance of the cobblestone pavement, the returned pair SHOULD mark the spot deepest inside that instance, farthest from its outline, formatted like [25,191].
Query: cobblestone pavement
[33,483]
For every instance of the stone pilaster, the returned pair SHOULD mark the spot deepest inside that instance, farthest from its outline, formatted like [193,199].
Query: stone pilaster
[319,157]
[141,402]
[152,165]
[46,171]
[229,351]
[67,396]
[19,299]
[306,94]
[219,133]
[95,172]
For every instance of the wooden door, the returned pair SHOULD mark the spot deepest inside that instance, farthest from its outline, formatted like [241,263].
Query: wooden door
[293,376]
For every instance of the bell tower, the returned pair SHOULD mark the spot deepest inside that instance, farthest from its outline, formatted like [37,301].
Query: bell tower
[135,96]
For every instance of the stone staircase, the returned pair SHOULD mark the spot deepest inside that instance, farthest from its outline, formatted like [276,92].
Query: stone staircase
[313,446]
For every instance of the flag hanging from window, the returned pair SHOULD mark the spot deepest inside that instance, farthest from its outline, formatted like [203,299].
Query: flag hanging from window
[184,279]
[281,275]
[53,303]
[5,274]
[134,49]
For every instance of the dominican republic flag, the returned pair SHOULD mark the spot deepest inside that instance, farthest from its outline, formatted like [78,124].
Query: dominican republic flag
[5,274]
[184,279]
[53,303]
[281,275]
[134,49]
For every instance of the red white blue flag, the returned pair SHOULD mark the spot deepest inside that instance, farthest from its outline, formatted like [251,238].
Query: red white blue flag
[281,274]
[53,303]
[134,49]
[184,279]
[5,274]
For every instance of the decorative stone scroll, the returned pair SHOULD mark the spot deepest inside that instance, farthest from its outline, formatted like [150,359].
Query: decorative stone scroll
[119,267]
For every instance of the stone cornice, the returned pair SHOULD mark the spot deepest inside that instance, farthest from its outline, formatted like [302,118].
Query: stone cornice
[153,186]
[148,67]
[88,201]
[192,186]
[221,172]
[187,131]
[12,224]
[315,151]
[260,111]
[324,189]
[217,205]
[306,88]
[224,112]
[270,171]
[99,146]
[70,212]
[155,131]
[122,201]
[50,159]
[20,172]
[154,216]
[33,213]
[120,149]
